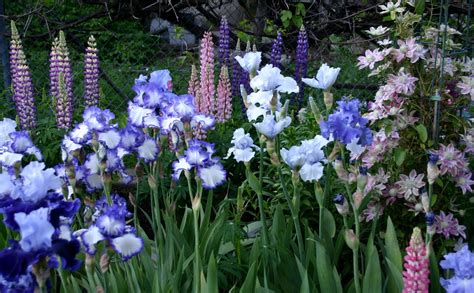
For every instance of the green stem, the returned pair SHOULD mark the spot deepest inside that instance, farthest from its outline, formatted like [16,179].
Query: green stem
[295,218]
[197,260]
[355,252]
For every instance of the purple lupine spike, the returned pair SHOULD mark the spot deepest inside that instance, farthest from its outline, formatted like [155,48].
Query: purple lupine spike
[23,94]
[275,57]
[60,63]
[236,70]
[91,74]
[301,67]
[63,113]
[224,43]
[244,75]
[207,74]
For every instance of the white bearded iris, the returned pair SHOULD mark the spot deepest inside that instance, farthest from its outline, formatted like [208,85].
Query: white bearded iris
[250,62]
[269,78]
[128,245]
[325,77]
[148,150]
[270,128]
[111,138]
[37,181]
[212,176]
[35,229]
[243,146]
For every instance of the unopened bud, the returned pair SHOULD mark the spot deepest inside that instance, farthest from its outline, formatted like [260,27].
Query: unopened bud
[275,160]
[351,239]
[243,93]
[284,109]
[362,179]
[341,204]
[425,202]
[104,263]
[340,171]
[328,100]
[196,203]
[151,181]
[314,108]
[357,196]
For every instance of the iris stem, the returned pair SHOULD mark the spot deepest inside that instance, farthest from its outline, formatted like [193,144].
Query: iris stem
[294,215]
[355,252]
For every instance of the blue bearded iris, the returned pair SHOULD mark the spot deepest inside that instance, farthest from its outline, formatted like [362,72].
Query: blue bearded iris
[346,124]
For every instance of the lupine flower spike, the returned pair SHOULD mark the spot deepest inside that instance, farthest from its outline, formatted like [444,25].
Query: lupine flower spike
[21,82]
[224,96]
[91,74]
[275,58]
[416,273]
[194,88]
[224,43]
[60,63]
[63,115]
[207,75]
[236,70]
[301,62]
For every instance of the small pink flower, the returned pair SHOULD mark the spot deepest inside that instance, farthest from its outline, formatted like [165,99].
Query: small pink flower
[416,273]
[409,185]
[448,225]
[370,58]
[467,86]
[403,83]
[451,160]
[374,209]
[409,49]
[464,182]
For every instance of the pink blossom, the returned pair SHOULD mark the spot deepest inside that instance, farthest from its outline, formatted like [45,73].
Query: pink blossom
[409,49]
[370,58]
[416,266]
[403,83]
[464,182]
[410,185]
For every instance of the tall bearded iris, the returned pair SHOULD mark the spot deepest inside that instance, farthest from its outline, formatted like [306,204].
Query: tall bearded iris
[346,124]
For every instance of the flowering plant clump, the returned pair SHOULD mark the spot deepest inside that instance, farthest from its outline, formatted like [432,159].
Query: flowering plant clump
[182,192]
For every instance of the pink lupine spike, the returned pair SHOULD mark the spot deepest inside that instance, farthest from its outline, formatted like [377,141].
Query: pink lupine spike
[224,96]
[207,88]
[194,88]
[416,273]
